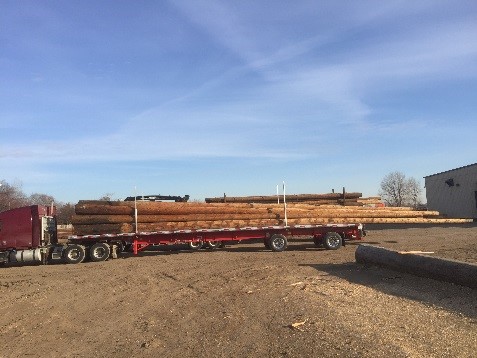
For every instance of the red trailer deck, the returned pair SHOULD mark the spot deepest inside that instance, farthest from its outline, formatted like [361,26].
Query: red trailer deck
[331,236]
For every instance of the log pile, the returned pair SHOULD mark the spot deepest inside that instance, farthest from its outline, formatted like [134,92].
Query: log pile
[100,217]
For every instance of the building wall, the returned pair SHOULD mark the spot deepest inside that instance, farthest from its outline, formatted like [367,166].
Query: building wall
[456,198]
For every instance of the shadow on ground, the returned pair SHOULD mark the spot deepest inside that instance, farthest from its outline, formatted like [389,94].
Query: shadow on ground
[450,297]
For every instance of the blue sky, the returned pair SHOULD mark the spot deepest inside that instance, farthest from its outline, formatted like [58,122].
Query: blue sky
[211,97]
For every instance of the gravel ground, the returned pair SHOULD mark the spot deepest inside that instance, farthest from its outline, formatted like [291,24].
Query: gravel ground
[244,301]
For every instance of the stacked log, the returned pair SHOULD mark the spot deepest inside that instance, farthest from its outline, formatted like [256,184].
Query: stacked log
[100,217]
[346,199]
[373,201]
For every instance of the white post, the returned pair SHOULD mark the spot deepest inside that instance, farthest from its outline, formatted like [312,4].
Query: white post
[285,205]
[135,210]
[278,196]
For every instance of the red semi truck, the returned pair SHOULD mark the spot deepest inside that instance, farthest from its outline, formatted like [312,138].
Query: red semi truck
[29,235]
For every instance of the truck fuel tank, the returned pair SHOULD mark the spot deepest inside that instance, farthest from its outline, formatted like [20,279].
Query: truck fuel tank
[34,255]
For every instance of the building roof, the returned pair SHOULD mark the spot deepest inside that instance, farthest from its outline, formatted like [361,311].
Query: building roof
[451,170]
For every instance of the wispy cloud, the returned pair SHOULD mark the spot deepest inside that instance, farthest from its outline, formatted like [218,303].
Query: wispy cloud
[306,84]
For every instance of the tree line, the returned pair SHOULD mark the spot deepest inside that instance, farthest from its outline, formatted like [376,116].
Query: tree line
[396,190]
[12,196]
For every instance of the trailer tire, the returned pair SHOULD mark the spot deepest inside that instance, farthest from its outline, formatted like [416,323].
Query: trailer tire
[332,241]
[74,254]
[278,242]
[99,252]
[214,244]
[195,245]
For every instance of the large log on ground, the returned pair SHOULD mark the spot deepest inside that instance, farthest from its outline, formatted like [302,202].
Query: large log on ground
[461,273]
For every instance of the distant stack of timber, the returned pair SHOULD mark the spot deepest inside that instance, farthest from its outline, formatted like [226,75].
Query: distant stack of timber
[372,201]
[100,217]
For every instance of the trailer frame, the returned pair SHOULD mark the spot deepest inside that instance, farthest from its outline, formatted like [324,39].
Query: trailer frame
[141,240]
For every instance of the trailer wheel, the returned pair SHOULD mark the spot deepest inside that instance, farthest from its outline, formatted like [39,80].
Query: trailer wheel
[74,254]
[332,241]
[277,242]
[99,252]
[214,244]
[195,245]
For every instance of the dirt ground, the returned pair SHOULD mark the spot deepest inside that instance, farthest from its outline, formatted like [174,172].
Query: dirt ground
[244,301]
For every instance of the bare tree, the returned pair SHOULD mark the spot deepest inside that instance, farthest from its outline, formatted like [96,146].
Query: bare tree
[41,199]
[11,196]
[397,190]
[64,212]
[107,197]
[414,192]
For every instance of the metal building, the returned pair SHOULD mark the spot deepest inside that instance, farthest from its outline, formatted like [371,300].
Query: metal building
[454,192]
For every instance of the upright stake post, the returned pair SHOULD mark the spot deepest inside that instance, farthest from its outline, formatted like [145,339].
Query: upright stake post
[278,196]
[285,205]
[135,210]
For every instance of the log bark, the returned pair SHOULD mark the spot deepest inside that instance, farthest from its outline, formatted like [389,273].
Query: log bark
[160,208]
[461,273]
[95,216]
[112,219]
[289,198]
[102,229]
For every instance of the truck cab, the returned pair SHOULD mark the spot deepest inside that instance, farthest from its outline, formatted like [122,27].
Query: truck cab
[27,233]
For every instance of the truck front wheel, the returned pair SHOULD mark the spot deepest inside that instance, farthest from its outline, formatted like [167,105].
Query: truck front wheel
[99,252]
[74,254]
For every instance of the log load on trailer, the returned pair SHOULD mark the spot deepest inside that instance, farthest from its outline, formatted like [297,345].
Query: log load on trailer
[159,197]
[29,234]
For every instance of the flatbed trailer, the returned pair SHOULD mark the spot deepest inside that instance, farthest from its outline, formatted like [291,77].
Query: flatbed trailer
[29,234]
[275,238]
